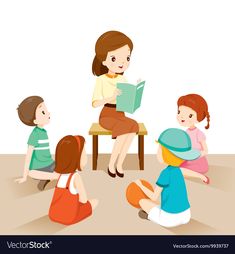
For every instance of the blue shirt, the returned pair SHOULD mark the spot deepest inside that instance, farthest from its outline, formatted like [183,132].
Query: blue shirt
[174,198]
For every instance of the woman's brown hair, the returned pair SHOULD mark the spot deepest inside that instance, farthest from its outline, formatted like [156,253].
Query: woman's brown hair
[198,104]
[68,154]
[107,42]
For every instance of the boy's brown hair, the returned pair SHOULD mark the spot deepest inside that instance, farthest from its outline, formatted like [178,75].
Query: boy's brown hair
[68,154]
[27,108]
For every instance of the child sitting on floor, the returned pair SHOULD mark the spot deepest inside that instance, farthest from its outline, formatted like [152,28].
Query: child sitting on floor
[39,164]
[70,203]
[174,210]
[192,109]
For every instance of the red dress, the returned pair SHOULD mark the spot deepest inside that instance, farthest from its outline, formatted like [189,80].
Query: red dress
[65,207]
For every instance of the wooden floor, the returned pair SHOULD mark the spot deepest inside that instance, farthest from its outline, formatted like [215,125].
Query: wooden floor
[24,209]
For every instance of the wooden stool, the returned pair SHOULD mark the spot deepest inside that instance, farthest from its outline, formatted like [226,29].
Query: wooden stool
[97,130]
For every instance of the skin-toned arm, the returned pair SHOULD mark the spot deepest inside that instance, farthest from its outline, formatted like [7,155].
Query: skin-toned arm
[187,173]
[153,195]
[26,164]
[99,103]
[79,186]
[204,148]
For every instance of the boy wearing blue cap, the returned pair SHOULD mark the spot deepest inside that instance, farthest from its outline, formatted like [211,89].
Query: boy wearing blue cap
[174,147]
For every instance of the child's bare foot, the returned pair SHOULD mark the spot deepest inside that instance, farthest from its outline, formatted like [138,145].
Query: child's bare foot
[143,215]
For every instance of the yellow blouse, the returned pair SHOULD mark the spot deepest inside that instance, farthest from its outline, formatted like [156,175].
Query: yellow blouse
[105,87]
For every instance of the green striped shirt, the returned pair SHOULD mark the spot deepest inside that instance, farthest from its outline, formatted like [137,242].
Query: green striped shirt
[41,156]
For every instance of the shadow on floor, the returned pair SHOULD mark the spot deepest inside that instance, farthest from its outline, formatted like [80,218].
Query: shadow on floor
[27,188]
[194,227]
[221,178]
[131,162]
[42,225]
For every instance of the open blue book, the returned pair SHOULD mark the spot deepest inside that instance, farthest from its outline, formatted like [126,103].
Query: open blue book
[131,96]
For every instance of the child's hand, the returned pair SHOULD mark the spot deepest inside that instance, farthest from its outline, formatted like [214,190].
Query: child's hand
[138,182]
[21,180]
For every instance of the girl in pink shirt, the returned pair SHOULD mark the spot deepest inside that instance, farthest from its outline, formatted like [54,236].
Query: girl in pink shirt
[192,109]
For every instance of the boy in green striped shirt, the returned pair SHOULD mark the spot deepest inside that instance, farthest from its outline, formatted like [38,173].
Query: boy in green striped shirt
[38,162]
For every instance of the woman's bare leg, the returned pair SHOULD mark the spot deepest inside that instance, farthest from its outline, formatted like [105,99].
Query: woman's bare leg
[120,140]
[124,151]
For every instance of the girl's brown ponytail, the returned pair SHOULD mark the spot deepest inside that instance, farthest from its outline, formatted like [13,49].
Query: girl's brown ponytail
[208,120]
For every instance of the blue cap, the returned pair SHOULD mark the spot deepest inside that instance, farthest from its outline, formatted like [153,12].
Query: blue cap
[179,143]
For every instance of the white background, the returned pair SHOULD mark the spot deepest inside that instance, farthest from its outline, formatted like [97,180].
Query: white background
[180,47]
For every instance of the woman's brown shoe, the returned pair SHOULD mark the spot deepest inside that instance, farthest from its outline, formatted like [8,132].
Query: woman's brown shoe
[119,174]
[111,174]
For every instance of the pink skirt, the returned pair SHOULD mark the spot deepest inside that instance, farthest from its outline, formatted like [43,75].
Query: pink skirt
[199,165]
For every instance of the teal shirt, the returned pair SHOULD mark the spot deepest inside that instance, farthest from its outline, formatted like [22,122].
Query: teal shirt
[174,198]
[41,156]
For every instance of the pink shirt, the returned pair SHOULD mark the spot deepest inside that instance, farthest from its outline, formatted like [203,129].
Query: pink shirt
[196,136]
[199,165]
